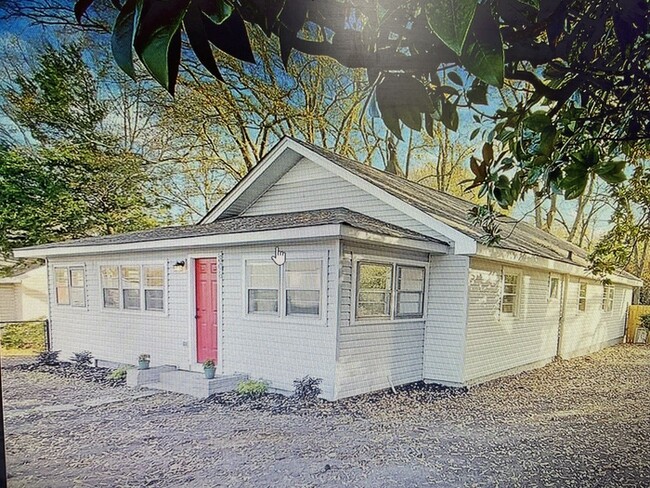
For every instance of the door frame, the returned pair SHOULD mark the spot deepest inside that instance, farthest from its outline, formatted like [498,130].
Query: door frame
[190,264]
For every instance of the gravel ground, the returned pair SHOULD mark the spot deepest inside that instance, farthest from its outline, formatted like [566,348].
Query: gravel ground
[577,423]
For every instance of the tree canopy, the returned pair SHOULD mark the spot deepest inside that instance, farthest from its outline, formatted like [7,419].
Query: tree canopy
[576,70]
[73,179]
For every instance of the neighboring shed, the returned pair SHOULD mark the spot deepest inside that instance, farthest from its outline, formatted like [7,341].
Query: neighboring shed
[318,265]
[23,296]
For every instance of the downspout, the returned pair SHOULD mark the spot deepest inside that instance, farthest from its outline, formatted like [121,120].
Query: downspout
[48,320]
[560,334]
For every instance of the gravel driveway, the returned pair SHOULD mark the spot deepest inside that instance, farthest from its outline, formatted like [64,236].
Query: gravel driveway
[583,422]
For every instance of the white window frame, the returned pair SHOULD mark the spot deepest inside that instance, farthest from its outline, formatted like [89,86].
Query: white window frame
[392,318]
[583,298]
[516,303]
[391,290]
[285,288]
[281,315]
[608,298]
[142,265]
[250,264]
[68,272]
[552,277]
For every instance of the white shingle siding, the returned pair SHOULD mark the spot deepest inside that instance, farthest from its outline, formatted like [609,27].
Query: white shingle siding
[497,342]
[594,328]
[278,350]
[446,319]
[308,186]
[121,335]
[378,353]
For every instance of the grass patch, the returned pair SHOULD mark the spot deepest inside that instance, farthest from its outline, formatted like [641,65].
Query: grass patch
[22,338]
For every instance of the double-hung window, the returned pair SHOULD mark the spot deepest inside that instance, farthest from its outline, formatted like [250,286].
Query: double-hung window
[374,290]
[293,289]
[130,283]
[133,287]
[70,285]
[608,298]
[510,294]
[409,301]
[388,291]
[582,297]
[154,288]
[262,288]
[302,287]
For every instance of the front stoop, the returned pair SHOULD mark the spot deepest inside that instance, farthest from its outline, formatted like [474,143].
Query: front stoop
[195,384]
[145,377]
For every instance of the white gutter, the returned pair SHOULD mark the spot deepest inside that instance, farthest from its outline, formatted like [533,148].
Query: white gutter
[547,264]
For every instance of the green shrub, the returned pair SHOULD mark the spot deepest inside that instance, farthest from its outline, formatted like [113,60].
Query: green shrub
[83,358]
[25,335]
[307,388]
[50,358]
[644,322]
[252,388]
[118,374]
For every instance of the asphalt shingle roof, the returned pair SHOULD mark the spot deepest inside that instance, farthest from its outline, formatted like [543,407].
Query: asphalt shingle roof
[453,211]
[236,225]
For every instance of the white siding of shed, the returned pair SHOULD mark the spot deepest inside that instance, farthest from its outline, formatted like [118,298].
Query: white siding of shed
[31,295]
[8,311]
[444,345]
[308,186]
[374,356]
[593,329]
[276,349]
[499,344]
[120,335]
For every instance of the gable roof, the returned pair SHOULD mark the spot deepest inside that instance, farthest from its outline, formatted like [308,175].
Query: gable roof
[442,207]
[240,225]
[452,210]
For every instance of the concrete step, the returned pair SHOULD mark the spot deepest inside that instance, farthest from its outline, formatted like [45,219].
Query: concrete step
[144,377]
[195,384]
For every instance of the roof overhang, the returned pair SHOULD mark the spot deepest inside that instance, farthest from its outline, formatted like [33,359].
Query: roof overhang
[530,261]
[461,243]
[315,232]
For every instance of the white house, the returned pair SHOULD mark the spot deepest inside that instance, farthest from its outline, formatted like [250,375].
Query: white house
[318,265]
[23,295]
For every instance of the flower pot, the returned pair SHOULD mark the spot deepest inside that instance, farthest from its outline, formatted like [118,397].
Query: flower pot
[143,364]
[209,373]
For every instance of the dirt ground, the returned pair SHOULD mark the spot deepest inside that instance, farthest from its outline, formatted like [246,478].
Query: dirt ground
[577,423]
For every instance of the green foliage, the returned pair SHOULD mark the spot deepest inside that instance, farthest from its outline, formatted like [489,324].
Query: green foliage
[48,358]
[144,357]
[118,373]
[576,71]
[208,363]
[307,388]
[252,388]
[644,322]
[76,181]
[23,335]
[450,20]
[81,359]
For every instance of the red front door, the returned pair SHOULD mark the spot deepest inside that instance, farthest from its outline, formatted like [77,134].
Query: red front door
[206,308]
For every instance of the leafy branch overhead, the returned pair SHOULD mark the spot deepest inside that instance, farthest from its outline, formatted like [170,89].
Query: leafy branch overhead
[558,89]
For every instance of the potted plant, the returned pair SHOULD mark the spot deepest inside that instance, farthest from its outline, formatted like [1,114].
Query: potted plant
[209,368]
[143,361]
[641,335]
